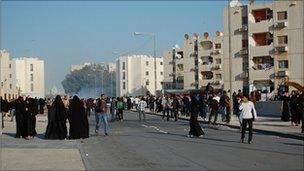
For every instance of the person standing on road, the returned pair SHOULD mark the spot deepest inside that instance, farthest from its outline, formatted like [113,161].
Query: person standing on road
[195,128]
[214,107]
[166,107]
[175,107]
[20,115]
[56,128]
[248,115]
[142,104]
[285,107]
[78,119]
[101,114]
[225,104]
[120,107]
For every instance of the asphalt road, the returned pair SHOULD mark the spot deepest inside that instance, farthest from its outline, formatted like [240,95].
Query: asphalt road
[162,145]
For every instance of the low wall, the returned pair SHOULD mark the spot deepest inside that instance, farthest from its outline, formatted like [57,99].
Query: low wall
[269,108]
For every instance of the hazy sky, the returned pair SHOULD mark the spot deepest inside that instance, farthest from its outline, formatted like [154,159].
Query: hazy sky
[65,33]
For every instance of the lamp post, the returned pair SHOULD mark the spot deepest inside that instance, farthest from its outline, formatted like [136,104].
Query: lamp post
[154,54]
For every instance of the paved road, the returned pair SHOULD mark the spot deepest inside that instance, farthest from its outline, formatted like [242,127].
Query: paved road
[161,145]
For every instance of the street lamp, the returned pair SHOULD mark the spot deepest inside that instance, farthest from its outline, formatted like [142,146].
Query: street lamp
[154,54]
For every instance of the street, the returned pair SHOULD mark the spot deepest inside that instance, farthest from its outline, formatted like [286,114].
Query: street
[154,145]
[161,145]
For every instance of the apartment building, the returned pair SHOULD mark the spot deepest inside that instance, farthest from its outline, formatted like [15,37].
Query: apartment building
[8,90]
[263,45]
[29,76]
[194,65]
[135,75]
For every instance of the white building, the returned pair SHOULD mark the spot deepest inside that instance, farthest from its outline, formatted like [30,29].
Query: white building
[79,66]
[136,75]
[7,89]
[29,76]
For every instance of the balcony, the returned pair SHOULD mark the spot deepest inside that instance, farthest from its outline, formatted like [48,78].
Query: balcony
[261,50]
[260,74]
[280,25]
[262,26]
[216,83]
[171,85]
[206,44]
[263,63]
[205,67]
[207,75]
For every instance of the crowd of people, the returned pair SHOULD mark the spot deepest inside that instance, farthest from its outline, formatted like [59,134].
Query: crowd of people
[207,104]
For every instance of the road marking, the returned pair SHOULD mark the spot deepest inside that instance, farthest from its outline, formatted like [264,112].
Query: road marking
[156,128]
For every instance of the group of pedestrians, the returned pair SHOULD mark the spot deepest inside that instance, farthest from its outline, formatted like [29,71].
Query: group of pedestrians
[293,108]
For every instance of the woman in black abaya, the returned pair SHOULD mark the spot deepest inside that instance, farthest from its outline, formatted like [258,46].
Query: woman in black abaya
[56,128]
[20,118]
[32,111]
[195,128]
[79,126]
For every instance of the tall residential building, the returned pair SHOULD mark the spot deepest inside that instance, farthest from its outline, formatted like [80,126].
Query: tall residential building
[29,76]
[8,90]
[265,46]
[194,65]
[135,75]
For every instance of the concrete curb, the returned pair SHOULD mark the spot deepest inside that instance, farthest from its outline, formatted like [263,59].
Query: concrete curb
[268,132]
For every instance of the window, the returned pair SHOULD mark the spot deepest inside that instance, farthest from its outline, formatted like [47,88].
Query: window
[10,76]
[124,85]
[32,87]
[218,46]
[123,65]
[123,75]
[147,63]
[218,76]
[161,73]
[147,82]
[10,65]
[283,64]
[32,77]
[31,67]
[218,61]
[282,39]
[161,63]
[147,72]
[10,86]
[282,15]
[180,67]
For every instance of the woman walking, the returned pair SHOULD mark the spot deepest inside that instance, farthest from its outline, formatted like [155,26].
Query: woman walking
[285,107]
[195,128]
[248,115]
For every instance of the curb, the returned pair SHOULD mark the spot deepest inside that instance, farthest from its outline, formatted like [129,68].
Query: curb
[275,133]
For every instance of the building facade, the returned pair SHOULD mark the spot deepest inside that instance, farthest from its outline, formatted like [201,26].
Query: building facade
[194,65]
[29,76]
[135,75]
[8,90]
[263,46]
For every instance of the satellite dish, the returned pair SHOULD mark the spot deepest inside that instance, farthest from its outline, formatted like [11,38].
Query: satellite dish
[235,3]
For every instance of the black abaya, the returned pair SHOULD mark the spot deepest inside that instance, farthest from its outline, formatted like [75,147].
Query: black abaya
[79,126]
[285,112]
[20,118]
[56,128]
[195,128]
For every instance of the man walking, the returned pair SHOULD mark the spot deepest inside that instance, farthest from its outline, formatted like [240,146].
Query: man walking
[142,104]
[101,114]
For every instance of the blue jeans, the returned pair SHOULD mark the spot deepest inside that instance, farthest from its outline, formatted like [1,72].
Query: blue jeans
[101,117]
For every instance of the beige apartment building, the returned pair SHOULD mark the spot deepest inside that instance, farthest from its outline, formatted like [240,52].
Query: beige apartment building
[8,90]
[261,47]
[194,65]
[265,46]
[135,75]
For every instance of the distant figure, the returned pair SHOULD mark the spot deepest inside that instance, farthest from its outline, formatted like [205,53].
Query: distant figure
[56,128]
[195,128]
[31,112]
[285,107]
[248,115]
[101,114]
[79,125]
[141,109]
[120,108]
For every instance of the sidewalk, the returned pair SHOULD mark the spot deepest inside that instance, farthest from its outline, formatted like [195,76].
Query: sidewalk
[38,153]
[265,125]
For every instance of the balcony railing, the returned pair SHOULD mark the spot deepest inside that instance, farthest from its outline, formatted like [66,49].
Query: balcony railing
[280,24]
[216,67]
[244,28]
[281,48]
[244,52]
[216,52]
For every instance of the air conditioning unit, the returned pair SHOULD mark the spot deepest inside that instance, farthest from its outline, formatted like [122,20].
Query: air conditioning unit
[244,75]
[281,49]
[280,24]
[282,73]
[194,84]
[216,52]
[243,28]
[172,74]
[171,62]
[243,52]
[193,69]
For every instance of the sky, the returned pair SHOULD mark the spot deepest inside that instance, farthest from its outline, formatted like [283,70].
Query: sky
[73,32]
